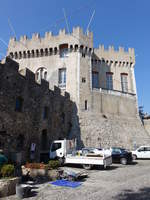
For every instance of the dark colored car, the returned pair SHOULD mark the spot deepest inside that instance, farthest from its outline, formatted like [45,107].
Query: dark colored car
[120,155]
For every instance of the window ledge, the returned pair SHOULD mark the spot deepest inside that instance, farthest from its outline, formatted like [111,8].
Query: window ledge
[62,86]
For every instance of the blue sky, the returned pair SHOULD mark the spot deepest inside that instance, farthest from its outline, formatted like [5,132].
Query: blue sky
[116,22]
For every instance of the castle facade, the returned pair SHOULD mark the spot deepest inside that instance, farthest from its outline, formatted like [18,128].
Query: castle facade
[100,82]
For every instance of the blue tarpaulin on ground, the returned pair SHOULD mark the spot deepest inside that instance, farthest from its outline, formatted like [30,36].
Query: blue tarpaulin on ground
[66,183]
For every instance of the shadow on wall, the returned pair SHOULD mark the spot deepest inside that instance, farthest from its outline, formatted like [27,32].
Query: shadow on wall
[143,193]
[75,130]
[42,116]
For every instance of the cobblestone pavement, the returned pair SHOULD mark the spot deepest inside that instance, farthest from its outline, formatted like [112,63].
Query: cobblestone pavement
[131,182]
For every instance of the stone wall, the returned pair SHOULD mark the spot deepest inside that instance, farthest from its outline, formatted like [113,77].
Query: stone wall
[99,130]
[45,115]
[147,125]
[90,104]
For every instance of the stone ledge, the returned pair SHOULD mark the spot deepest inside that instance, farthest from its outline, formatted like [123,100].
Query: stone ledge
[8,186]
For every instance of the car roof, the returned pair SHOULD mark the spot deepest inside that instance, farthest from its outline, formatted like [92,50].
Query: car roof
[144,146]
[92,148]
[117,148]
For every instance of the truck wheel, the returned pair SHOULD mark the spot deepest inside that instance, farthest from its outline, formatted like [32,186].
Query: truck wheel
[87,166]
[123,161]
[134,157]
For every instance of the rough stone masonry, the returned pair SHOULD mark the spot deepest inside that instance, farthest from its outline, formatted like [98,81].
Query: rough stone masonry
[30,114]
[100,82]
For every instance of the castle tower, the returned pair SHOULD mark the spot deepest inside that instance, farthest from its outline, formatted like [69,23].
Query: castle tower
[101,83]
[54,58]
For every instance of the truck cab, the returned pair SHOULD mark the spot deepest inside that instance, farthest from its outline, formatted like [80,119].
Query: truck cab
[60,148]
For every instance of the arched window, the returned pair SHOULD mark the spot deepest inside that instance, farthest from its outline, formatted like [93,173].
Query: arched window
[76,47]
[37,53]
[46,52]
[45,75]
[71,47]
[24,54]
[32,53]
[16,55]
[41,73]
[11,54]
[50,51]
[28,53]
[20,54]
[55,50]
[42,52]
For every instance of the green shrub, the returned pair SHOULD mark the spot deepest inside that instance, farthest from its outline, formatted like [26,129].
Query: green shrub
[53,164]
[7,170]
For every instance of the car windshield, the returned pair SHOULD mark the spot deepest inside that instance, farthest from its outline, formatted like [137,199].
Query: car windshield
[123,150]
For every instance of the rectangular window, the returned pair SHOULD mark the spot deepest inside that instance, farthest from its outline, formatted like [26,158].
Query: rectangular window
[19,104]
[124,82]
[62,77]
[63,49]
[83,79]
[45,112]
[85,105]
[55,146]
[109,80]
[95,79]
[63,53]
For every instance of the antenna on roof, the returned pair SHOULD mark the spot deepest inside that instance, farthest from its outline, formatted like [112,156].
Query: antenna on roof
[13,31]
[66,20]
[11,27]
[4,42]
[90,21]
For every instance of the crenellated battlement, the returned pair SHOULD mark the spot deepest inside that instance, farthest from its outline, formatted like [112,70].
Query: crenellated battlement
[76,38]
[50,44]
[29,76]
[113,56]
[112,49]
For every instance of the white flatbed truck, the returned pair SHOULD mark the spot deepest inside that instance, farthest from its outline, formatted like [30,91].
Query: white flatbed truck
[65,151]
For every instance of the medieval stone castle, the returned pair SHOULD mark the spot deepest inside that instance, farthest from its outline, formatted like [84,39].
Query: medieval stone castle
[102,109]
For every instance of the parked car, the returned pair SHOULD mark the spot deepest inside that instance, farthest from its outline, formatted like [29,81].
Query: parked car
[121,155]
[141,152]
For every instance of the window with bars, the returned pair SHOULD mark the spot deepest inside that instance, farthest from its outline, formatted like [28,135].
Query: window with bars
[124,82]
[95,79]
[109,80]
[62,77]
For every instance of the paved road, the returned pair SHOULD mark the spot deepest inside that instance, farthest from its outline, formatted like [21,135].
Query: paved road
[131,182]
